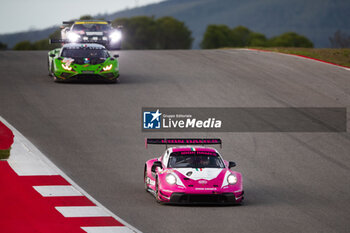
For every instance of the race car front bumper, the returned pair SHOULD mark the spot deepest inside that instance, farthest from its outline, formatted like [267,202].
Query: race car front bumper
[88,77]
[223,198]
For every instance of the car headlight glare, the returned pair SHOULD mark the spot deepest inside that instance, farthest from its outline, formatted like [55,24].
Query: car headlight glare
[232,179]
[115,36]
[170,178]
[106,68]
[66,67]
[73,37]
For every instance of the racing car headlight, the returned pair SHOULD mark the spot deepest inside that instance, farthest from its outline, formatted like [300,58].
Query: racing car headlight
[170,178]
[115,36]
[66,67]
[106,68]
[73,37]
[232,179]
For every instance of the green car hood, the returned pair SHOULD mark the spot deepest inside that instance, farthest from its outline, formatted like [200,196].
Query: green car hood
[68,65]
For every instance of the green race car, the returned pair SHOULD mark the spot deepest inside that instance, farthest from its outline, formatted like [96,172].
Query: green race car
[83,62]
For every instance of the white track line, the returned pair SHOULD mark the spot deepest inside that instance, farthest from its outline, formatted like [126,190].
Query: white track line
[25,159]
[294,55]
[57,191]
[82,211]
[23,153]
[106,229]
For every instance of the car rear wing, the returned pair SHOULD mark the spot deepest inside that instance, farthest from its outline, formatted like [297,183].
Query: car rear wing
[68,22]
[72,22]
[183,141]
[54,41]
[65,41]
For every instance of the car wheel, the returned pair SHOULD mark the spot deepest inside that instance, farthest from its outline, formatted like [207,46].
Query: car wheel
[157,191]
[241,202]
[56,80]
[52,70]
[144,179]
[48,67]
[116,80]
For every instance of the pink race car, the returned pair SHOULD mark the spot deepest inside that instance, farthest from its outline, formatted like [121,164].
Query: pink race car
[192,174]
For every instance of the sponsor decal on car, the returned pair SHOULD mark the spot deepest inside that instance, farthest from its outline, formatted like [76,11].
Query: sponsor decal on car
[67,60]
[149,181]
[205,188]
[94,33]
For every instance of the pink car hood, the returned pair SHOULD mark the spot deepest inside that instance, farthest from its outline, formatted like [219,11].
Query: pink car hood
[199,173]
[201,177]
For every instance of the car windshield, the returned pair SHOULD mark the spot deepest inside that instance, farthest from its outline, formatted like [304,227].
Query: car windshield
[195,159]
[85,53]
[90,27]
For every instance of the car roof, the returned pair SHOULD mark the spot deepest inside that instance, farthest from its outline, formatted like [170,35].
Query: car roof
[82,46]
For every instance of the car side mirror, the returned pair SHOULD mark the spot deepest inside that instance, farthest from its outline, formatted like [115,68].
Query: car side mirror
[231,164]
[52,55]
[155,165]
[116,55]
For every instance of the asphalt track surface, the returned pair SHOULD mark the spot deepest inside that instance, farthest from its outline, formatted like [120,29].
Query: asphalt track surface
[294,182]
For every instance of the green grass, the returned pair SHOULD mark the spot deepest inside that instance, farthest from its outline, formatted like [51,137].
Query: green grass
[4,154]
[337,56]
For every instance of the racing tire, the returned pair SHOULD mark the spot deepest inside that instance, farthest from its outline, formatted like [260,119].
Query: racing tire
[144,178]
[52,71]
[241,202]
[57,80]
[48,67]
[157,192]
[116,80]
